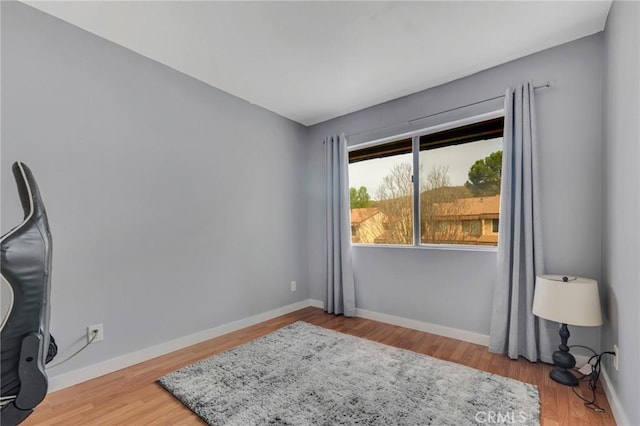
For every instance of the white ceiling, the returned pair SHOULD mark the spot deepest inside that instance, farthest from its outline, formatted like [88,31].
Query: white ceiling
[313,61]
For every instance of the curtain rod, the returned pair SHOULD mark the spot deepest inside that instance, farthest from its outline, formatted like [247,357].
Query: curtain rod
[542,86]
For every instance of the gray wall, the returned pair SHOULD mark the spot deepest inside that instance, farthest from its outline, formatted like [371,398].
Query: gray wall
[621,202]
[454,288]
[174,206]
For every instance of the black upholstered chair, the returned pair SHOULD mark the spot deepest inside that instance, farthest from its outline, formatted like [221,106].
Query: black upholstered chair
[25,266]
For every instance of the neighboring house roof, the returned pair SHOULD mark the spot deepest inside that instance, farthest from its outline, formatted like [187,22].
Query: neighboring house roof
[360,215]
[470,207]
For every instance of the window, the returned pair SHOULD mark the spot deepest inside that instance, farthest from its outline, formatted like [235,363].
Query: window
[495,223]
[381,193]
[455,198]
[472,227]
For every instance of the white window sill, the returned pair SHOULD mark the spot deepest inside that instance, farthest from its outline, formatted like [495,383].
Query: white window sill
[456,247]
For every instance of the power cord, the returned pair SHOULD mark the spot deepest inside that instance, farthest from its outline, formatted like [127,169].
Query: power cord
[94,334]
[592,378]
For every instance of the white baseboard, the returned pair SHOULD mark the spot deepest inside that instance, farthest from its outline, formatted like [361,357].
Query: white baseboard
[96,370]
[105,367]
[316,303]
[614,402]
[440,330]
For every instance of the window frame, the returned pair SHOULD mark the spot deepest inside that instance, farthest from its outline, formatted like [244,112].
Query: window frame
[415,137]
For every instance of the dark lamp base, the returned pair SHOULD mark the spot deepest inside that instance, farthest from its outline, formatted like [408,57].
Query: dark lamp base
[563,376]
[563,360]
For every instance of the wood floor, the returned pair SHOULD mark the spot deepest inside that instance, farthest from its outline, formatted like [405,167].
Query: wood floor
[131,396]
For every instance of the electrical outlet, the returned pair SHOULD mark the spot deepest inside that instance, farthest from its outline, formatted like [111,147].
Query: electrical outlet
[99,336]
[293,286]
[616,357]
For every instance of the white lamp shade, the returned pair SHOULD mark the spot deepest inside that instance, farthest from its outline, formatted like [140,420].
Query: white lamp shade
[575,302]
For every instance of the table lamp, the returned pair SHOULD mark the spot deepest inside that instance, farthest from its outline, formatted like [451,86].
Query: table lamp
[569,301]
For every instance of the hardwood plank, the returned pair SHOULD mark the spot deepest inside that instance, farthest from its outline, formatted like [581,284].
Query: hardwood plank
[131,396]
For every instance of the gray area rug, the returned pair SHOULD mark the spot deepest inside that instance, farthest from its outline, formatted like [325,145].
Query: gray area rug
[307,375]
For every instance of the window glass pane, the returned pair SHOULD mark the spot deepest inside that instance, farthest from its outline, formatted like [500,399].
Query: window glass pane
[472,227]
[381,194]
[460,192]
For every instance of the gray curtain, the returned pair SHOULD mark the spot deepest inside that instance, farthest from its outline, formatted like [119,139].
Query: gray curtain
[514,329]
[340,294]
